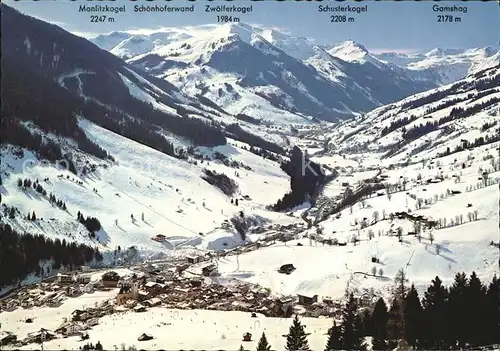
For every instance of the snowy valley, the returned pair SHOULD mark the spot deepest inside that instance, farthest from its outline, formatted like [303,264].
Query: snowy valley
[233,195]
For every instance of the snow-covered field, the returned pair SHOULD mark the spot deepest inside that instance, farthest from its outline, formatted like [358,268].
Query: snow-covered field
[171,329]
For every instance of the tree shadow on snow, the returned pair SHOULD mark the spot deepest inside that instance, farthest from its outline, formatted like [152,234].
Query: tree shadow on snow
[102,236]
[448,258]
[444,248]
[32,195]
[148,224]
[123,230]
[3,191]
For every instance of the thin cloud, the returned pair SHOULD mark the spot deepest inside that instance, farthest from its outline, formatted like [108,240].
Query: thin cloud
[396,51]
[86,35]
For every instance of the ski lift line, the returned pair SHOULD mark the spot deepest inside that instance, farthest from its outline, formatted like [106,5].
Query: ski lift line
[153,210]
[409,260]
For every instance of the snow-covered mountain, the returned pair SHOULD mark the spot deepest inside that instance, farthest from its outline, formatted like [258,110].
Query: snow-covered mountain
[448,65]
[452,117]
[168,173]
[263,73]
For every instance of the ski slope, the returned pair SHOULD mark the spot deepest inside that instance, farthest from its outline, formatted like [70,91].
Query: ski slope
[170,193]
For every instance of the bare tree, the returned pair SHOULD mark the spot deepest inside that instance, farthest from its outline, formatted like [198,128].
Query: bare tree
[431,237]
[380,272]
[475,215]
[400,234]
[375,216]
[400,288]
[485,178]
[438,249]
[419,204]
[371,234]
[363,203]
[417,227]
[383,214]
[374,270]
[355,239]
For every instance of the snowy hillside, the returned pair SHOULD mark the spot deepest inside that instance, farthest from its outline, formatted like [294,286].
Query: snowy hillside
[448,65]
[446,171]
[261,72]
[138,183]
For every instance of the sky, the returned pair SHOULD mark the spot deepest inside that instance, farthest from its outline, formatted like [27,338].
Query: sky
[402,26]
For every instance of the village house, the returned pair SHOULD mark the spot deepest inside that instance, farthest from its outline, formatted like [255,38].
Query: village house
[10,306]
[71,291]
[70,329]
[196,283]
[209,270]
[142,295]
[83,279]
[39,336]
[92,322]
[307,300]
[193,259]
[152,302]
[153,289]
[64,279]
[127,292]
[140,308]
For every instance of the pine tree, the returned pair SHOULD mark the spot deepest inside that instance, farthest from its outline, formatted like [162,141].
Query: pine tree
[457,305]
[33,216]
[492,312]
[476,298]
[334,335]
[379,319]
[297,337]
[352,338]
[263,344]
[435,312]
[395,323]
[413,315]
[241,348]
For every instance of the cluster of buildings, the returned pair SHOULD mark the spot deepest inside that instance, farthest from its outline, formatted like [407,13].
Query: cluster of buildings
[51,292]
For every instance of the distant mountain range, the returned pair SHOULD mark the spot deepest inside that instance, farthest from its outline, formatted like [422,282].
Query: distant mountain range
[271,75]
